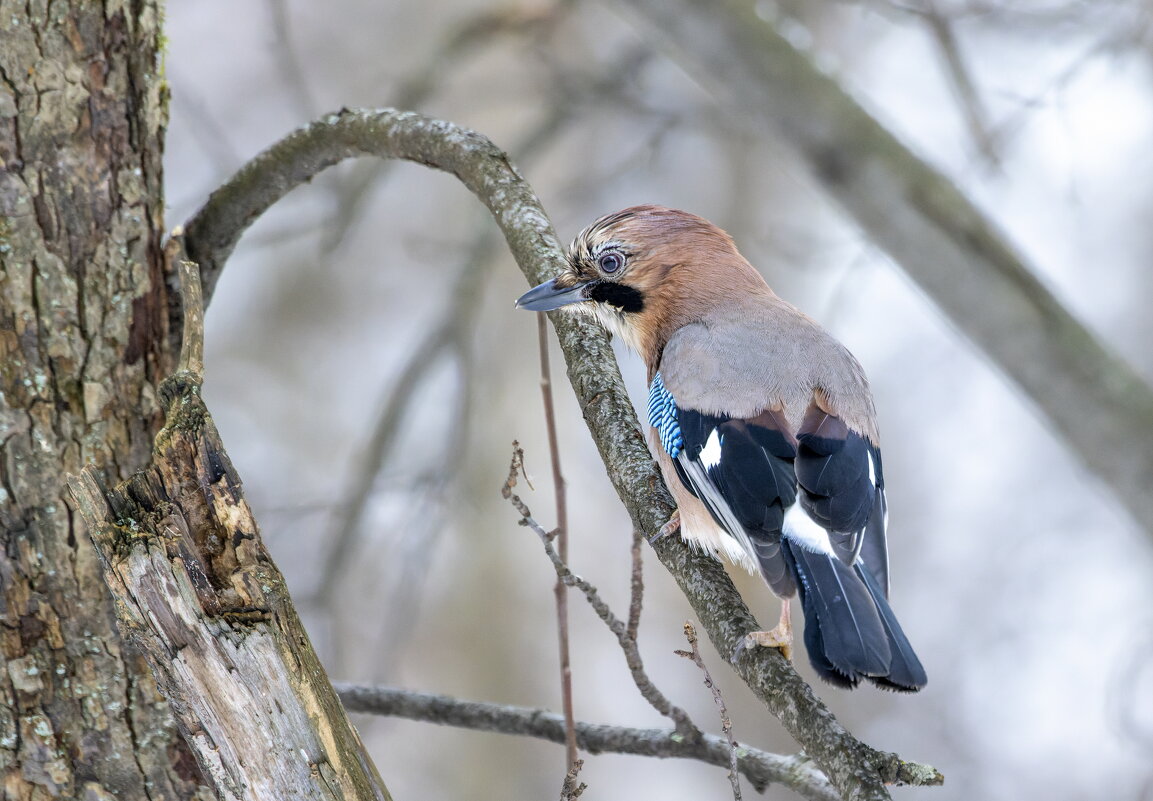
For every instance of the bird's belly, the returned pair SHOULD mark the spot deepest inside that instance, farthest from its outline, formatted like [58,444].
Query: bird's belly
[702,532]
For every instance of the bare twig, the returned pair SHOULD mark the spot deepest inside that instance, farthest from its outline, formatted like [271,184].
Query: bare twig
[694,653]
[628,644]
[760,768]
[561,536]
[516,468]
[636,586]
[571,791]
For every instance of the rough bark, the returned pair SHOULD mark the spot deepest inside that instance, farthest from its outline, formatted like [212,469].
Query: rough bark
[82,301]
[194,585]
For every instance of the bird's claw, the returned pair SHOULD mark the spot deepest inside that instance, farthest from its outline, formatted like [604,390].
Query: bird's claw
[782,641]
[781,637]
[672,526]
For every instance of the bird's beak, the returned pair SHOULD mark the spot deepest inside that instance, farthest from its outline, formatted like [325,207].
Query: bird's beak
[549,296]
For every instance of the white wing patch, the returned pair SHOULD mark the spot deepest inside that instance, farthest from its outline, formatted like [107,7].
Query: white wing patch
[801,529]
[711,454]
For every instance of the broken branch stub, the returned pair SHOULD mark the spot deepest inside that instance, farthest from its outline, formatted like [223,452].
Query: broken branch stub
[196,589]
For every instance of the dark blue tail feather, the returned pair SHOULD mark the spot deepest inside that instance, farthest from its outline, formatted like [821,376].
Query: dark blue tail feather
[850,631]
[905,671]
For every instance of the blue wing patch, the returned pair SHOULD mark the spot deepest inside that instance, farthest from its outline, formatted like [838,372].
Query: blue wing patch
[663,417]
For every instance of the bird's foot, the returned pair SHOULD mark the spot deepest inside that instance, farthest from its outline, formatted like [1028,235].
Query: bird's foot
[671,527]
[776,638]
[780,637]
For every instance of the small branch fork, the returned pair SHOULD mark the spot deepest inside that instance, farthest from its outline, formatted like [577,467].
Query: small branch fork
[684,725]
[694,654]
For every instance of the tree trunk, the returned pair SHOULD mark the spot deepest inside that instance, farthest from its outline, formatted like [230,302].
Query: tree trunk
[194,585]
[84,317]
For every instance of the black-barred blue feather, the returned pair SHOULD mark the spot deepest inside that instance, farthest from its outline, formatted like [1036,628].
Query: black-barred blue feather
[663,417]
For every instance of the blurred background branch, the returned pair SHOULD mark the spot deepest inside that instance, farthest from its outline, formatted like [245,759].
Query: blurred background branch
[484,30]
[762,769]
[1091,396]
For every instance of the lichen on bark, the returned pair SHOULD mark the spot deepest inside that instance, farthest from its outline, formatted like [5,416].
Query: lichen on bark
[195,587]
[82,115]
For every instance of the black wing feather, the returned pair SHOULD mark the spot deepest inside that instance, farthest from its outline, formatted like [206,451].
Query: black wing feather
[833,470]
[831,463]
[754,476]
[755,471]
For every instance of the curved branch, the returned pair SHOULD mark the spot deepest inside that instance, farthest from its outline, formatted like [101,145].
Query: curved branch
[1094,399]
[761,768]
[486,28]
[854,769]
[215,229]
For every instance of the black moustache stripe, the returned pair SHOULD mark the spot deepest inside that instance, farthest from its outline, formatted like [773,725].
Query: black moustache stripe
[623,297]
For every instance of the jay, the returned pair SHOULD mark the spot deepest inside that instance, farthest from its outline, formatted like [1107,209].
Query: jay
[763,426]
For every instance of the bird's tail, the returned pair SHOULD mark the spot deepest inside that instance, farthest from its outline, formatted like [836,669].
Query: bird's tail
[850,630]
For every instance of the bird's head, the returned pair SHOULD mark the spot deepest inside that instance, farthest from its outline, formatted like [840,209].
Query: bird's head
[644,272]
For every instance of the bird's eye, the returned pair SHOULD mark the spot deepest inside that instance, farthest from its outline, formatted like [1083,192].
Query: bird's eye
[611,261]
